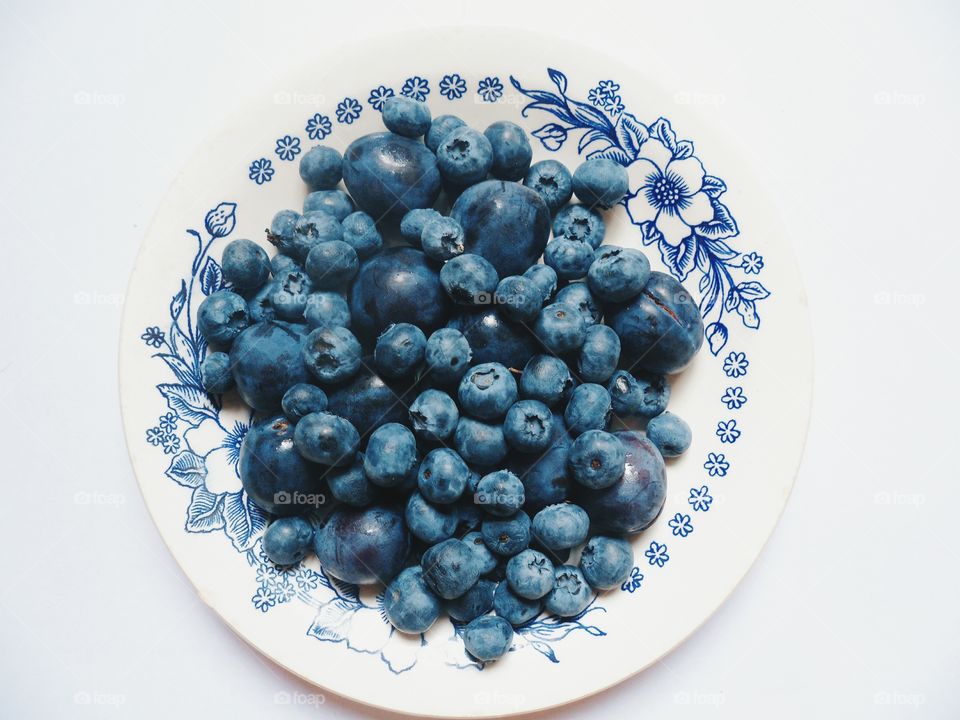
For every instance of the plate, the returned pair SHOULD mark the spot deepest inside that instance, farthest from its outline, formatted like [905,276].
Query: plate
[746,396]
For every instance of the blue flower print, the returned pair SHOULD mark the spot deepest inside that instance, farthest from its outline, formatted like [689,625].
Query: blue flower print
[633,582]
[681,525]
[752,263]
[285,592]
[416,87]
[263,599]
[453,86]
[613,105]
[288,147]
[608,87]
[551,135]
[657,554]
[348,110]
[378,96]
[153,336]
[596,97]
[736,365]
[716,465]
[734,398]
[168,422]
[261,171]
[171,444]
[727,431]
[233,440]
[155,436]
[318,127]
[490,89]
[306,579]
[700,498]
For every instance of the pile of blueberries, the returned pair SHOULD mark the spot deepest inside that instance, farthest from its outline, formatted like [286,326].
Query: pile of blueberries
[462,403]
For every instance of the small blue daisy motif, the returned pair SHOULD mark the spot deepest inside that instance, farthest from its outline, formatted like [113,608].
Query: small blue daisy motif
[318,127]
[261,171]
[681,525]
[288,147]
[656,554]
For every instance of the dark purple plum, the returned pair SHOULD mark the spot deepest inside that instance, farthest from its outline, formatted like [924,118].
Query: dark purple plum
[368,401]
[363,546]
[494,339]
[546,478]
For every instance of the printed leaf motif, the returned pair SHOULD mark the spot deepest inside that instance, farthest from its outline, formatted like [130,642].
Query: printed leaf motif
[179,367]
[663,132]
[684,150]
[187,469]
[559,79]
[615,154]
[752,291]
[332,622]
[244,520]
[722,226]
[544,649]
[718,248]
[176,304]
[716,336]
[551,135]
[680,259]
[211,277]
[713,186]
[631,133]
[205,512]
[747,309]
[188,402]
[591,137]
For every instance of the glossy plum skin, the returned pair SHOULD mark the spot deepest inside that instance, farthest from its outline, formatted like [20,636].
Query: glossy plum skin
[634,501]
[266,360]
[546,479]
[388,175]
[505,222]
[492,338]
[398,285]
[363,546]
[367,401]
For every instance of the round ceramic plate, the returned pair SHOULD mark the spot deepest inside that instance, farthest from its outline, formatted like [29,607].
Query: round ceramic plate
[746,396]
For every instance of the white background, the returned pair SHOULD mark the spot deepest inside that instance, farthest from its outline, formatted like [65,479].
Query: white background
[848,112]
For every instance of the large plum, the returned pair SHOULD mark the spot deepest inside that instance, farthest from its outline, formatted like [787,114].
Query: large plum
[368,401]
[493,339]
[363,546]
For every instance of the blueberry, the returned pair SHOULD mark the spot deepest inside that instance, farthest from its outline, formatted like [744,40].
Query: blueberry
[487,560]
[618,274]
[488,638]
[545,479]
[606,562]
[222,317]
[599,355]
[389,175]
[332,202]
[464,157]
[559,527]
[442,239]
[287,540]
[434,416]
[552,181]
[511,150]
[245,264]
[475,602]
[470,515]
[275,476]
[493,339]
[360,232]
[528,426]
[518,298]
[557,557]
[280,262]
[500,493]
[670,434]
[399,351]
[597,459]
[633,502]
[638,394]
[428,522]
[571,592]
[600,182]
[442,126]
[448,356]
[494,210]
[266,360]
[216,373]
[391,455]
[560,327]
[326,439]
[311,228]
[469,280]
[442,476]
[363,545]
[487,391]
[368,401]
[513,608]
[544,277]
[327,309]
[409,603]
[331,354]
[260,306]
[350,486]
[290,292]
[412,224]
[331,265]
[530,574]
[406,116]
[579,296]
[578,222]
[302,399]
[547,379]
[321,167]
[661,329]
[570,258]
[450,568]
[506,536]
[281,232]
[589,409]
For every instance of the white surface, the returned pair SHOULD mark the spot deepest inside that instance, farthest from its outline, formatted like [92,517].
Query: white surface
[848,113]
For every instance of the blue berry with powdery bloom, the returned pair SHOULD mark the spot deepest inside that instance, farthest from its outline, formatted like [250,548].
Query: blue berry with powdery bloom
[448,356]
[266,360]
[469,279]
[464,157]
[487,391]
[260,306]
[570,258]
[599,355]
[441,126]
[428,522]
[618,274]
[326,439]
[434,416]
[321,167]
[409,603]
[360,232]
[552,181]
[560,327]
[450,568]
[640,393]
[245,264]
[331,354]
[287,540]
[546,378]
[333,202]
[442,476]
[578,294]
[560,527]
[274,474]
[530,574]
[500,493]
[578,222]
[600,182]
[528,426]
[311,229]
[506,536]
[488,638]
[216,373]
[362,546]
[511,150]
[670,434]
[475,602]
[281,230]
[597,459]
[290,292]
[350,485]
[302,399]
[589,409]
[327,309]
[518,298]
[442,238]
[331,265]
[399,350]
[391,455]
[222,317]
[514,609]
[412,224]
[487,560]
[545,278]
[406,116]
[545,478]
[571,592]
[281,263]
[606,561]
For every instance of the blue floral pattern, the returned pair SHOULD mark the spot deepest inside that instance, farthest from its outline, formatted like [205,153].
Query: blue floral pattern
[734,398]
[681,525]
[453,87]
[415,87]
[318,127]
[378,96]
[656,554]
[727,431]
[634,582]
[260,171]
[288,147]
[700,498]
[490,89]
[716,465]
[348,110]
[735,365]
